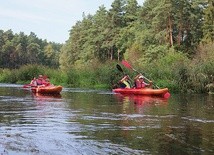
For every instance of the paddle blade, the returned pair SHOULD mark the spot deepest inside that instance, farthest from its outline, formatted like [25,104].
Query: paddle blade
[126,64]
[119,68]
[167,95]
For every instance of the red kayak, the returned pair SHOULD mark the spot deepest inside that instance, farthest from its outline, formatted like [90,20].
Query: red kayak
[47,89]
[164,92]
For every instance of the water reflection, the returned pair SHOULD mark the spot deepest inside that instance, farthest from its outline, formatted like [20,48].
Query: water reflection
[139,102]
[100,122]
[46,97]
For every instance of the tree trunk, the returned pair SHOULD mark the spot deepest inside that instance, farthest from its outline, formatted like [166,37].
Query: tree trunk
[118,55]
[179,34]
[170,32]
[111,53]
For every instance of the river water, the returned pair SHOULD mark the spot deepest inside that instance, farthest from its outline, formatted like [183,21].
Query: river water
[92,122]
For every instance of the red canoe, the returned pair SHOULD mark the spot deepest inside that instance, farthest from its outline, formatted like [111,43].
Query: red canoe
[47,89]
[144,91]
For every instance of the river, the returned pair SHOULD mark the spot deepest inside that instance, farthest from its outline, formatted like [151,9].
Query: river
[95,122]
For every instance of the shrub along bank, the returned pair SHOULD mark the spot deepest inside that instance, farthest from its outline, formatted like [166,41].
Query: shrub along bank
[174,71]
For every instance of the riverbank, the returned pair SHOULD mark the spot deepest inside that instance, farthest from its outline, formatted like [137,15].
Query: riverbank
[106,75]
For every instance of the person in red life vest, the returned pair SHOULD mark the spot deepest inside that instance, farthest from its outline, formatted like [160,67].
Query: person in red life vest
[46,82]
[43,81]
[140,83]
[40,80]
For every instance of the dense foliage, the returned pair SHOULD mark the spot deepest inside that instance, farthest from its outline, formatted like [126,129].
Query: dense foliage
[139,31]
[170,41]
[19,49]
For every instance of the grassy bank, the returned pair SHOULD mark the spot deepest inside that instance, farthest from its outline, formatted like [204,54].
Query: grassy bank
[100,77]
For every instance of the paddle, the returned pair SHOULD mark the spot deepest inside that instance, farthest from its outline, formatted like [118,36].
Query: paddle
[119,68]
[127,65]
[27,85]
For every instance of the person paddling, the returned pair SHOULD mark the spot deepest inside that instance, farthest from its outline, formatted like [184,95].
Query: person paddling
[33,82]
[124,82]
[40,80]
[43,81]
[140,83]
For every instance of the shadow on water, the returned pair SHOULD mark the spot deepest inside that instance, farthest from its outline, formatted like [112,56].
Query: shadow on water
[85,121]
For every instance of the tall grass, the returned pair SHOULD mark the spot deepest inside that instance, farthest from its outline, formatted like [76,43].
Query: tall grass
[90,77]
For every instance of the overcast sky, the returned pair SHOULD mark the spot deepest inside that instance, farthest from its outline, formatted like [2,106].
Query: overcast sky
[48,19]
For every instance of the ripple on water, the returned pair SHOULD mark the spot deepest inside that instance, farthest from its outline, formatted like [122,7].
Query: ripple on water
[192,119]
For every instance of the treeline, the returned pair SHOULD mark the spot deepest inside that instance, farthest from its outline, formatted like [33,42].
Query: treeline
[19,49]
[139,33]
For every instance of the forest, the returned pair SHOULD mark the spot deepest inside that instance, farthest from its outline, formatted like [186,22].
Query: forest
[169,41]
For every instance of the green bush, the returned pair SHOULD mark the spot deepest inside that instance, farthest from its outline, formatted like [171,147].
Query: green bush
[202,68]
[7,76]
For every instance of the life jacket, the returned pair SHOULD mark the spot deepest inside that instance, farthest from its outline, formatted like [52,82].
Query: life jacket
[139,84]
[39,81]
[127,84]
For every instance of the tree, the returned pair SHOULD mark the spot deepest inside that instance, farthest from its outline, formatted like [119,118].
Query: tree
[70,51]
[162,23]
[50,56]
[7,54]
[101,25]
[33,52]
[208,24]
[131,11]
[187,29]
[116,13]
[116,18]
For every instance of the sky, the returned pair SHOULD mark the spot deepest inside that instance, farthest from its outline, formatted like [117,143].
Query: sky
[48,19]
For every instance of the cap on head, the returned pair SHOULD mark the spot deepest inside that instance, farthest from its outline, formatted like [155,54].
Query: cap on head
[141,77]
